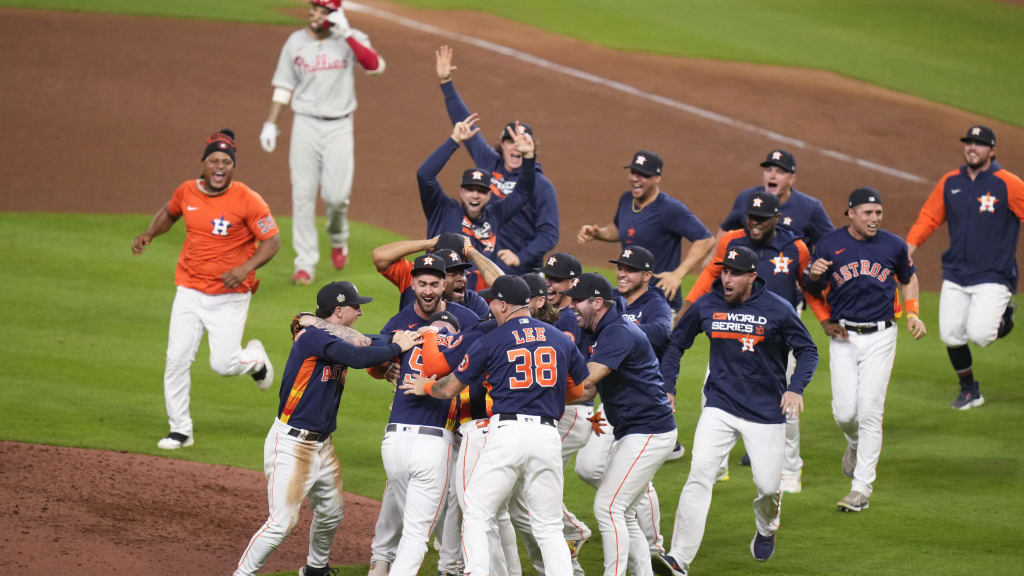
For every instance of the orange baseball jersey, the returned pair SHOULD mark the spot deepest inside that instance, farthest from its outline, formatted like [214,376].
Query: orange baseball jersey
[220,234]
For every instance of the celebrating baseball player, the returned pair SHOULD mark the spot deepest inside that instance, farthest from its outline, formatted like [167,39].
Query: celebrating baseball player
[624,369]
[229,233]
[527,365]
[984,205]
[860,265]
[299,451]
[647,216]
[533,230]
[560,270]
[781,258]
[315,74]
[751,331]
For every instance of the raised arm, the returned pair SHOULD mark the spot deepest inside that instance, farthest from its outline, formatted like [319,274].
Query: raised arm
[482,153]
[386,255]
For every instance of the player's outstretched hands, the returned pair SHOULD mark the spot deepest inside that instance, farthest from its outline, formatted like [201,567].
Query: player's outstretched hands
[140,242]
[466,129]
[268,137]
[834,330]
[443,62]
[340,22]
[523,141]
[792,404]
[819,267]
[668,282]
[587,233]
[406,339]
[916,326]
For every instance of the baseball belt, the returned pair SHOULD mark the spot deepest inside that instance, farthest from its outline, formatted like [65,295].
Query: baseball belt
[308,435]
[866,328]
[425,430]
[527,418]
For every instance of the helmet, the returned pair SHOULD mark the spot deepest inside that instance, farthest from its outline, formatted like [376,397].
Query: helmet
[329,4]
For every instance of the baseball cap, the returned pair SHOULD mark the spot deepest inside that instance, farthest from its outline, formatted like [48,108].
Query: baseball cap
[451,241]
[508,288]
[336,294]
[428,264]
[452,261]
[538,287]
[646,162]
[331,4]
[780,158]
[562,265]
[444,316]
[636,257]
[476,178]
[865,196]
[740,258]
[980,134]
[523,128]
[762,204]
[590,285]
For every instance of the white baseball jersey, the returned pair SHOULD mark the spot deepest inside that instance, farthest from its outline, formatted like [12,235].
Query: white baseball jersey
[319,73]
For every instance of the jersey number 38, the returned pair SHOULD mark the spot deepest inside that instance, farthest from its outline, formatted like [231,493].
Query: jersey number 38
[540,366]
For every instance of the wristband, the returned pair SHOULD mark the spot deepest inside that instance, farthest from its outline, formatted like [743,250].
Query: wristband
[428,387]
[912,306]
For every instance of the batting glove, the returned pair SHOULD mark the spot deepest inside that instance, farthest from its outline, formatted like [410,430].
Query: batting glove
[597,423]
[340,22]
[268,136]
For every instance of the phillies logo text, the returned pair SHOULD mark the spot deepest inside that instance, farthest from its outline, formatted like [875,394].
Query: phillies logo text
[319,63]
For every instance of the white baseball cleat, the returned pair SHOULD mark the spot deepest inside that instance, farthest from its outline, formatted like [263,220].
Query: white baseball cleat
[677,452]
[264,376]
[853,502]
[379,568]
[174,440]
[791,482]
[722,475]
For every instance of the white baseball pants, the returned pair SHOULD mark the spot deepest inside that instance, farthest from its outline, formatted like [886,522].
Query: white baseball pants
[528,453]
[860,371]
[716,434]
[575,430]
[631,465]
[591,462]
[971,313]
[223,317]
[322,156]
[287,462]
[448,529]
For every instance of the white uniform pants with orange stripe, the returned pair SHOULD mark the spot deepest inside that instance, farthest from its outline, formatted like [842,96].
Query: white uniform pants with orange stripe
[971,313]
[591,463]
[287,462]
[632,462]
[417,466]
[716,434]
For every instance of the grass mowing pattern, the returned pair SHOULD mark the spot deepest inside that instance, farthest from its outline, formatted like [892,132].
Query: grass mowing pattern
[85,329]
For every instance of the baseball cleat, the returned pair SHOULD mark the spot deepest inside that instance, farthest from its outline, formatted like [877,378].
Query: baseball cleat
[575,545]
[174,440]
[762,547]
[968,398]
[853,502]
[379,568]
[577,568]
[325,571]
[677,452]
[849,461]
[722,475]
[264,377]
[302,278]
[339,257]
[1006,323]
[745,460]
[791,482]
[665,565]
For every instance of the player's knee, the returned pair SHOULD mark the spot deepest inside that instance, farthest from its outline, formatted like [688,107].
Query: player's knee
[702,472]
[845,415]
[331,513]
[982,335]
[953,336]
[221,366]
[588,472]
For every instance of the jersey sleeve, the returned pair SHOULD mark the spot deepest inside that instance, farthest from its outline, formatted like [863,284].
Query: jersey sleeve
[613,347]
[545,204]
[482,154]
[819,225]
[284,74]
[1014,193]
[734,220]
[432,197]
[174,205]
[472,367]
[931,216]
[434,362]
[713,270]
[399,274]
[367,57]
[818,306]
[682,221]
[680,341]
[342,352]
[904,265]
[659,323]
[817,286]
[258,217]
[577,369]
[510,205]
[800,342]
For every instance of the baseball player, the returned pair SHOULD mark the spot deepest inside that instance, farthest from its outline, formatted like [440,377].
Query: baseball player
[526,364]
[624,369]
[751,331]
[533,229]
[860,265]
[984,205]
[298,456]
[560,269]
[799,212]
[229,233]
[315,74]
[781,258]
[475,214]
[647,216]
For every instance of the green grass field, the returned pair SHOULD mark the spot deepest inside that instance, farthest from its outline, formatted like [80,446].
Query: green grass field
[87,323]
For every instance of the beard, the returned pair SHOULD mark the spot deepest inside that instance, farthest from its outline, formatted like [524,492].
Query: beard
[548,313]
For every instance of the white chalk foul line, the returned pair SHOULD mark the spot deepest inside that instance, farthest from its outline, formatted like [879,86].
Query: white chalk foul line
[636,92]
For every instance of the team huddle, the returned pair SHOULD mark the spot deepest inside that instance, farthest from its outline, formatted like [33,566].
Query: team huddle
[501,345]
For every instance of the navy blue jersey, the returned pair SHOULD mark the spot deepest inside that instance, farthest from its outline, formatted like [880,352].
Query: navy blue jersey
[660,227]
[567,323]
[408,319]
[652,314]
[801,213]
[473,301]
[314,377]
[524,364]
[750,345]
[445,214]
[862,279]
[632,395]
[533,231]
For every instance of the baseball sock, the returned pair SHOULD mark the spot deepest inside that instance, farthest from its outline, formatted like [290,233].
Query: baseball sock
[960,357]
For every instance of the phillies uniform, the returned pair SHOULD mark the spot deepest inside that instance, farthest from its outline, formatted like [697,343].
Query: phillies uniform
[298,456]
[660,227]
[221,233]
[533,230]
[400,274]
[861,284]
[445,214]
[750,345]
[801,213]
[525,363]
[317,75]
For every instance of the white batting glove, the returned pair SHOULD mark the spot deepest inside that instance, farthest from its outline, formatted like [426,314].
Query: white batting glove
[268,136]
[340,22]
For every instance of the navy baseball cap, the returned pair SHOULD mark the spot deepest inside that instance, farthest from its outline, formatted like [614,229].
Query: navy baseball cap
[444,316]
[981,135]
[538,287]
[562,265]
[428,264]
[864,196]
[452,261]
[780,158]
[476,178]
[336,294]
[590,285]
[524,128]
[740,258]
[508,288]
[762,205]
[451,241]
[645,162]
[637,258]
